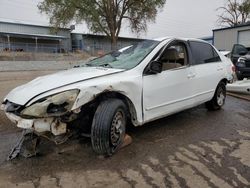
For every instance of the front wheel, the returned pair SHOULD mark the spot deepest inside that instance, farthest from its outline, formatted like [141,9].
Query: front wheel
[218,99]
[108,127]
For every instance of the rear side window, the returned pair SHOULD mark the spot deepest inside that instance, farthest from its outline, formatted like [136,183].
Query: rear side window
[203,53]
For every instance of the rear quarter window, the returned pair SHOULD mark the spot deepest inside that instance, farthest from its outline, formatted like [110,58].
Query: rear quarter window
[203,53]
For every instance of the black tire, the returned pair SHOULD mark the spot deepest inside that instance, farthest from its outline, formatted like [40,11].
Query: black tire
[218,99]
[106,137]
[239,77]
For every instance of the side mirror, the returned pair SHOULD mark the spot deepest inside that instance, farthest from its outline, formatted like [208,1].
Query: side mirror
[155,67]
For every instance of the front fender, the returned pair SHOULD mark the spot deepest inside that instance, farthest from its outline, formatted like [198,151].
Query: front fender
[130,90]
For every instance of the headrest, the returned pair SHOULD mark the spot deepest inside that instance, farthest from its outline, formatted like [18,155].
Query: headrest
[171,54]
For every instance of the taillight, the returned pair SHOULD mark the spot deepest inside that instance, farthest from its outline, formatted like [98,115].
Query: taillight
[241,62]
[233,68]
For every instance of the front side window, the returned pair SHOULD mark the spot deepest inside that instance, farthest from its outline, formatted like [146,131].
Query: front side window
[174,56]
[203,53]
[126,58]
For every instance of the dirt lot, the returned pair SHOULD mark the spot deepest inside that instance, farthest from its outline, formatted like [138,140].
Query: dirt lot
[194,148]
[29,56]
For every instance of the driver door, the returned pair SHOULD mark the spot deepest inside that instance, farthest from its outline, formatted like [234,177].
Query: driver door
[171,90]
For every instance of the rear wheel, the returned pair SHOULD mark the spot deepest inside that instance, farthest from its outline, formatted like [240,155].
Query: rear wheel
[108,127]
[218,99]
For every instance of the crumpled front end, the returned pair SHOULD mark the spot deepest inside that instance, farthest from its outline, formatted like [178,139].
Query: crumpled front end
[49,114]
[53,125]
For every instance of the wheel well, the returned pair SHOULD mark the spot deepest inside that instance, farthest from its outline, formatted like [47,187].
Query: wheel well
[112,94]
[90,108]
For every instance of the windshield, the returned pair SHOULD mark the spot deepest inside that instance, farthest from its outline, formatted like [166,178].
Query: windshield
[125,58]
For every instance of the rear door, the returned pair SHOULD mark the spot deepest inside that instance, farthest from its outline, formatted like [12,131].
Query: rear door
[209,70]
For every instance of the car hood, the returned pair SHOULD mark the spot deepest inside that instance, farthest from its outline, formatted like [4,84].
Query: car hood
[22,94]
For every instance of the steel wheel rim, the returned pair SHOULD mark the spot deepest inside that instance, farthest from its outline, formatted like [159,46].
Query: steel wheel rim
[117,128]
[220,98]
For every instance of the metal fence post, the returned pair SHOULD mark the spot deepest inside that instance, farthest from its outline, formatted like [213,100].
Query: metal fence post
[36,43]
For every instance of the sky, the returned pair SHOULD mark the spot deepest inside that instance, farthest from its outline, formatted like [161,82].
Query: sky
[182,18]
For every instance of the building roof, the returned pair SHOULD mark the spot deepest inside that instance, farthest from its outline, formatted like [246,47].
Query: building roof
[41,36]
[233,27]
[28,24]
[99,35]
[207,38]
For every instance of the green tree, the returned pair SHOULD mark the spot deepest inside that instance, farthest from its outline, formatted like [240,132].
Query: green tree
[102,16]
[234,12]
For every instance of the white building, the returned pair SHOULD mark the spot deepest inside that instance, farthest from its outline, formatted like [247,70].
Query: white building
[26,37]
[225,38]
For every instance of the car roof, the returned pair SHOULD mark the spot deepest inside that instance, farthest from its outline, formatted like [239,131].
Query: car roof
[178,38]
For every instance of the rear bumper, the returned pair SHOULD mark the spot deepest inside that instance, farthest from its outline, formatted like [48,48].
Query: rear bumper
[243,71]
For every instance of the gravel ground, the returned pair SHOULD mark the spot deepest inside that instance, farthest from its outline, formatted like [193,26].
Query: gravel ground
[7,66]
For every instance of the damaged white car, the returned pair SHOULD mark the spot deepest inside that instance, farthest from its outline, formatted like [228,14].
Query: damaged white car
[138,84]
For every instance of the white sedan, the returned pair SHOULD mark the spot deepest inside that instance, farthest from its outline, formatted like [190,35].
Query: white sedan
[138,84]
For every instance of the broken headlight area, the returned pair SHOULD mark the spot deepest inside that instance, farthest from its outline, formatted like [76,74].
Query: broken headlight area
[49,114]
[55,105]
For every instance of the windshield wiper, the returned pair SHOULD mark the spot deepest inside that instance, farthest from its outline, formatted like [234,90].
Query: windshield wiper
[88,65]
[107,65]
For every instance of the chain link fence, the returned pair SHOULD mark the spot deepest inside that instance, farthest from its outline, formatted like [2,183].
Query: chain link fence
[99,46]
[31,47]
[17,51]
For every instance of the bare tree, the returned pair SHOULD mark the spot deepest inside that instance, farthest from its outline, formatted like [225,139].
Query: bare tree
[103,16]
[235,12]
